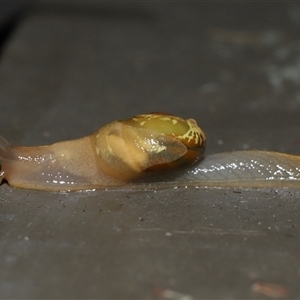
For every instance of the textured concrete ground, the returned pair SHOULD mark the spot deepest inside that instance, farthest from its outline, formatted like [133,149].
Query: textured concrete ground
[68,69]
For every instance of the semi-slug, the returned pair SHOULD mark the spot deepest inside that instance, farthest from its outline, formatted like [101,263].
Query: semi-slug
[147,150]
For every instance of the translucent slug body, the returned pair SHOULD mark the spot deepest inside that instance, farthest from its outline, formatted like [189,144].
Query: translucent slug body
[151,150]
[245,169]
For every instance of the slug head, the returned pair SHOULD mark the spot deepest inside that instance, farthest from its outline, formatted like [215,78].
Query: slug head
[148,142]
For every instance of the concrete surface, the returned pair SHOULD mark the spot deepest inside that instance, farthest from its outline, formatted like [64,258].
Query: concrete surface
[70,68]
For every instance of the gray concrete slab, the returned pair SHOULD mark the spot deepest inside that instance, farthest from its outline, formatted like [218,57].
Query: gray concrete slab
[69,69]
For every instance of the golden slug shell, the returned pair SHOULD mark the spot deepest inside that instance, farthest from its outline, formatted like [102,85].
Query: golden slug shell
[148,142]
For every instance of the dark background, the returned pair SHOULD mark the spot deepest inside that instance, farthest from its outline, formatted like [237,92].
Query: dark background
[68,68]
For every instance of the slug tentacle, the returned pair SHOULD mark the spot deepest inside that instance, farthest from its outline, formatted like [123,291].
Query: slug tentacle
[5,146]
[5,154]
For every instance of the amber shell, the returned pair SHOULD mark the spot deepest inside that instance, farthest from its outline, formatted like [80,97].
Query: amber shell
[185,130]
